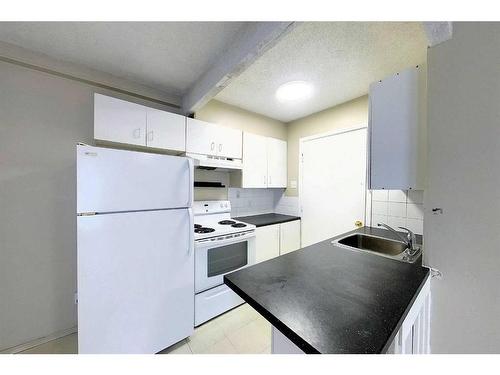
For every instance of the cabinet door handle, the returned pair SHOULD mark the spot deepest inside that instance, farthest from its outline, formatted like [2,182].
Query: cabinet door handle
[220,147]
[212,146]
[137,133]
[269,179]
[150,135]
[264,179]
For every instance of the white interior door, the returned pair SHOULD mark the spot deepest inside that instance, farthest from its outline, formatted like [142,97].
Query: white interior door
[135,281]
[333,184]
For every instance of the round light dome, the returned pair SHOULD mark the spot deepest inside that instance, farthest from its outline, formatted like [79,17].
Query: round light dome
[294,91]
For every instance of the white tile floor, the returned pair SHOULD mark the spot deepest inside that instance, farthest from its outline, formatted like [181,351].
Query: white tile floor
[239,331]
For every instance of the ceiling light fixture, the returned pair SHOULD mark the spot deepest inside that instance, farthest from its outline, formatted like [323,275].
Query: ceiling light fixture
[293,91]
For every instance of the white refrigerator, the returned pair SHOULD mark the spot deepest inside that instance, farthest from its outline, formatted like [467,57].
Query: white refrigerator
[135,250]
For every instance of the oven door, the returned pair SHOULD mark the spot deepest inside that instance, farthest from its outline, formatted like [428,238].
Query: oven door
[214,259]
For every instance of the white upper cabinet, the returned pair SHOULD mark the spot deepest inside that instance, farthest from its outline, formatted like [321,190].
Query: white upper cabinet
[254,173]
[264,162]
[229,143]
[211,139]
[397,131]
[119,121]
[276,163]
[201,137]
[165,130]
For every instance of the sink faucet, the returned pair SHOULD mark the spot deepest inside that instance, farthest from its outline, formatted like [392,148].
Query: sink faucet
[410,240]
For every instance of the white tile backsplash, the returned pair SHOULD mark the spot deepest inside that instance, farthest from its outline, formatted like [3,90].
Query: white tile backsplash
[379,208]
[397,196]
[398,208]
[415,211]
[286,205]
[396,222]
[415,196]
[246,202]
[415,225]
[380,195]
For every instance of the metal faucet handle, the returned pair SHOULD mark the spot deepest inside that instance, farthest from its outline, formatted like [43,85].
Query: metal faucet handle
[410,233]
[412,238]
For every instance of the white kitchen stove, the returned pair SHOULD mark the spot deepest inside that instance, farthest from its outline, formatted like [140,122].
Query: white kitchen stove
[222,245]
[212,219]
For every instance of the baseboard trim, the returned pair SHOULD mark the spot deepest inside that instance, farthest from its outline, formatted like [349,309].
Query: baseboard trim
[39,341]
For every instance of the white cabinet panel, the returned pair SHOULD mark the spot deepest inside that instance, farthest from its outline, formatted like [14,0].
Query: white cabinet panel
[289,236]
[211,139]
[264,162]
[229,143]
[267,242]
[276,163]
[396,131]
[201,137]
[165,130]
[414,335]
[120,121]
[254,173]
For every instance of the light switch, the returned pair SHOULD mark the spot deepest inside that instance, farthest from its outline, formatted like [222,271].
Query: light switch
[293,184]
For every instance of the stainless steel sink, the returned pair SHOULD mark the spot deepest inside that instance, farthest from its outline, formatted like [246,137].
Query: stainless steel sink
[378,245]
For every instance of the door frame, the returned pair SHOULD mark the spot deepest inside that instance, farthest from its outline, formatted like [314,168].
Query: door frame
[330,133]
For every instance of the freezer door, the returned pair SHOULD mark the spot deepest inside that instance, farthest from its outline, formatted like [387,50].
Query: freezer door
[116,180]
[135,281]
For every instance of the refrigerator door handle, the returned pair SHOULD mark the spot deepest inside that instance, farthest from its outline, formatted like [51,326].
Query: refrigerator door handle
[191,182]
[191,231]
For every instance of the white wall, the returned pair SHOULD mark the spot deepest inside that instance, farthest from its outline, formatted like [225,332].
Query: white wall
[42,117]
[464,180]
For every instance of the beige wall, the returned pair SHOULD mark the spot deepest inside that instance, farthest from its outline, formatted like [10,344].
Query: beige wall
[349,114]
[234,117]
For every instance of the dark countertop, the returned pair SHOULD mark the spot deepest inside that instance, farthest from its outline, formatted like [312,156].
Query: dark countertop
[328,299]
[267,219]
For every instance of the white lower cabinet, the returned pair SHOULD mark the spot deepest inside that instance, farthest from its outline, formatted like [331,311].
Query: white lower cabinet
[289,236]
[278,239]
[414,335]
[267,242]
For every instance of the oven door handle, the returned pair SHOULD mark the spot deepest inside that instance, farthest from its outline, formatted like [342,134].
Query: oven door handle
[228,241]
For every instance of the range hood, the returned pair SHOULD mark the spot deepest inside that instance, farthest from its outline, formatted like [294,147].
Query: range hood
[209,162]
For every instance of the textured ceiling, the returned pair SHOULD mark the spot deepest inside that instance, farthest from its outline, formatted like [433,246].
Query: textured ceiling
[169,56]
[340,59]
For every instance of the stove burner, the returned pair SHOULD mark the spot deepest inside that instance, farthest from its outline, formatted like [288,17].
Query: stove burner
[238,225]
[227,222]
[204,230]
[196,226]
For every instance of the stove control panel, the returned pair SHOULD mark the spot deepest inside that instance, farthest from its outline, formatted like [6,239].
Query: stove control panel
[211,207]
